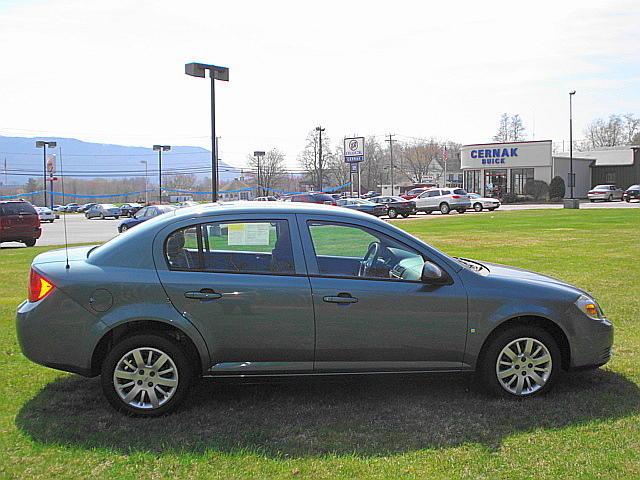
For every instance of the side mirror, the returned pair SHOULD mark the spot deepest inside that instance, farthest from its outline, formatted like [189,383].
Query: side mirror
[432,274]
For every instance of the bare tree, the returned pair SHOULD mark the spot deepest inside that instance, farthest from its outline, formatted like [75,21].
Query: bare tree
[610,133]
[338,170]
[179,181]
[268,170]
[510,129]
[502,135]
[632,129]
[310,160]
[417,159]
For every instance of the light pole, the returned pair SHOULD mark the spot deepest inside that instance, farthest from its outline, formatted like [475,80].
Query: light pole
[391,140]
[146,194]
[42,144]
[160,149]
[258,154]
[216,73]
[571,182]
[320,130]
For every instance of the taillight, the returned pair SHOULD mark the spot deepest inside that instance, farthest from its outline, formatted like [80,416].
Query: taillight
[39,286]
[455,196]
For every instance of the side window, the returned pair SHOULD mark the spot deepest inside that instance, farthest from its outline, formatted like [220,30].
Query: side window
[354,251]
[255,246]
[433,193]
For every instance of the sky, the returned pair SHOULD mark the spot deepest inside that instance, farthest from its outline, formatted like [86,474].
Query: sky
[113,71]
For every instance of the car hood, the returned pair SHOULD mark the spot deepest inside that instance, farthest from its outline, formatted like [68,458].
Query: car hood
[497,270]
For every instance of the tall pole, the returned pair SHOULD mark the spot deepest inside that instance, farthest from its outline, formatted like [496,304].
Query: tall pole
[571,182]
[44,173]
[445,166]
[160,176]
[391,140]
[214,149]
[146,193]
[319,129]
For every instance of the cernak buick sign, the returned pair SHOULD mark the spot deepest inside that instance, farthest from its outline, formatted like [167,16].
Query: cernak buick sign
[494,156]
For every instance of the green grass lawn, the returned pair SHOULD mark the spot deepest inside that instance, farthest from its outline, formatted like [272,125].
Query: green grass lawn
[56,425]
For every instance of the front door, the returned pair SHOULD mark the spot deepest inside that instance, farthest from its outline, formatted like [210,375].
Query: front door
[241,282]
[372,311]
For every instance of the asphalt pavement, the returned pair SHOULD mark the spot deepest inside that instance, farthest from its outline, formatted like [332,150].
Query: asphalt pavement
[81,230]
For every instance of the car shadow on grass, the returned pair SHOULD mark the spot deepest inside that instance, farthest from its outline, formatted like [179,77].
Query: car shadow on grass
[370,416]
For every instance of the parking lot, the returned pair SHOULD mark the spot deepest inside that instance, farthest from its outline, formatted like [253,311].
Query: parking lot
[81,230]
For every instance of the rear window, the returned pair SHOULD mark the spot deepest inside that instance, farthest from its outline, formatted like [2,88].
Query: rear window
[17,208]
[460,191]
[323,197]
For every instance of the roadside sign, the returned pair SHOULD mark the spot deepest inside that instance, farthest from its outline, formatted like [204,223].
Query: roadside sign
[354,150]
[51,163]
[354,167]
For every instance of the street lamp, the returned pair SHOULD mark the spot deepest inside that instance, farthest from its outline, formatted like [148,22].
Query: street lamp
[258,154]
[160,149]
[42,144]
[146,197]
[571,180]
[216,73]
[320,130]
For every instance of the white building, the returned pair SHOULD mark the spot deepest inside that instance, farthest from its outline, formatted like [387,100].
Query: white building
[493,169]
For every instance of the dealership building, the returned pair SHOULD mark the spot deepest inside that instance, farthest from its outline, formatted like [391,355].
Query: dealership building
[493,169]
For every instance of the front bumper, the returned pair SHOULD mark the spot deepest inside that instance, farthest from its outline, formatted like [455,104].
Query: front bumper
[591,344]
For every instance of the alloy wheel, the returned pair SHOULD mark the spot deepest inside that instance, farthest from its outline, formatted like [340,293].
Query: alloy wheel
[145,378]
[524,366]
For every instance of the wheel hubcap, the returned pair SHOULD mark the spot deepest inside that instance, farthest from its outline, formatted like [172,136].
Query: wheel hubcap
[145,378]
[524,366]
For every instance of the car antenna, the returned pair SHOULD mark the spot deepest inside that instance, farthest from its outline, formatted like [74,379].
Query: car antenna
[64,216]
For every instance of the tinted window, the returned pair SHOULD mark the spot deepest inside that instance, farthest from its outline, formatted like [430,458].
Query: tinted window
[433,193]
[460,191]
[446,192]
[256,246]
[17,208]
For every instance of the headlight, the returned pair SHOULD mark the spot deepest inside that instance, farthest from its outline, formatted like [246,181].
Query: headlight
[589,307]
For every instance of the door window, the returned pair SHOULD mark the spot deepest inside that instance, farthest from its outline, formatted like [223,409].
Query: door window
[353,251]
[256,246]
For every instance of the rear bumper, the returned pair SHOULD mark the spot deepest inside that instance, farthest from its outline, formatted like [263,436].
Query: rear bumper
[21,235]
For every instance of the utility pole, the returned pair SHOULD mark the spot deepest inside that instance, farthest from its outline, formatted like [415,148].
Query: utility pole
[260,189]
[571,94]
[391,140]
[146,193]
[319,129]
[160,149]
[445,157]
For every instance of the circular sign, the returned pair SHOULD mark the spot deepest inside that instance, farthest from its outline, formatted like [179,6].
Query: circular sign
[353,145]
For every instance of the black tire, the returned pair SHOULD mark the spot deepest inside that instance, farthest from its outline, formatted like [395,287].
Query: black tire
[86,215]
[477,207]
[427,212]
[486,367]
[445,208]
[628,200]
[102,216]
[591,200]
[610,199]
[405,215]
[123,228]
[30,243]
[461,210]
[166,345]
[117,217]
[491,209]
[50,221]
[392,213]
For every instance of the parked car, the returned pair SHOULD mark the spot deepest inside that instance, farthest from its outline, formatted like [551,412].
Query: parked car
[413,193]
[58,208]
[45,214]
[443,200]
[605,193]
[279,289]
[311,197]
[19,222]
[269,198]
[186,203]
[85,207]
[478,202]
[103,210]
[129,209]
[71,207]
[370,194]
[362,205]
[631,193]
[144,214]
[396,206]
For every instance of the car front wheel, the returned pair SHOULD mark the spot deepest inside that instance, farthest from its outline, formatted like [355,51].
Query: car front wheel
[392,212]
[30,243]
[520,362]
[477,207]
[146,375]
[123,228]
[444,208]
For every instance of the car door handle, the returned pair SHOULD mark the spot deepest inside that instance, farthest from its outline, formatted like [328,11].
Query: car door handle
[204,294]
[340,299]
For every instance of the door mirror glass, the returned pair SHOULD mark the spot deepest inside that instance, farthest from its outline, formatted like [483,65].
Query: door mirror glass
[433,274]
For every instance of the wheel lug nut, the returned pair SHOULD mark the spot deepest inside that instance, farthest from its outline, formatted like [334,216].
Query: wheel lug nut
[141,372]
[531,365]
[139,382]
[150,384]
[153,374]
[517,367]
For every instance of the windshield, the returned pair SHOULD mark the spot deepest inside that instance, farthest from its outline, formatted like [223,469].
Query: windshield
[16,208]
[108,205]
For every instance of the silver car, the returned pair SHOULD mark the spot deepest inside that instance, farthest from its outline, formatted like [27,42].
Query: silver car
[45,214]
[103,210]
[605,193]
[443,200]
[478,203]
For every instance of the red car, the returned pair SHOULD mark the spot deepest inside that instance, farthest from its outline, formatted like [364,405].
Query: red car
[19,222]
[411,194]
[311,197]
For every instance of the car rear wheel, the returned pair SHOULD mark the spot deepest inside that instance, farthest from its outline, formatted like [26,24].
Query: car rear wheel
[444,208]
[520,362]
[123,228]
[146,375]
[392,212]
[30,243]
[461,210]
[405,215]
[102,216]
[477,207]
[117,217]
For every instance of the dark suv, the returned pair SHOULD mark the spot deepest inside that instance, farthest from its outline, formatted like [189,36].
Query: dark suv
[311,197]
[19,222]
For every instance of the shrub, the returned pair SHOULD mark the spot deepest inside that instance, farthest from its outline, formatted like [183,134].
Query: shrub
[510,197]
[538,189]
[556,188]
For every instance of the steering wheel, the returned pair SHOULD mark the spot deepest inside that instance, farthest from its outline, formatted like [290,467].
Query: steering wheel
[369,260]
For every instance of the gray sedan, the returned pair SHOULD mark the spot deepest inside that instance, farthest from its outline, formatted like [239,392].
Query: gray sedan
[103,210]
[281,289]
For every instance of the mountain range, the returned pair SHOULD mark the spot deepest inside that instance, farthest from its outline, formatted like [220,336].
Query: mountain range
[20,159]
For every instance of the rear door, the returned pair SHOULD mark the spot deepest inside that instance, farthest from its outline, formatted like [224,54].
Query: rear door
[241,280]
